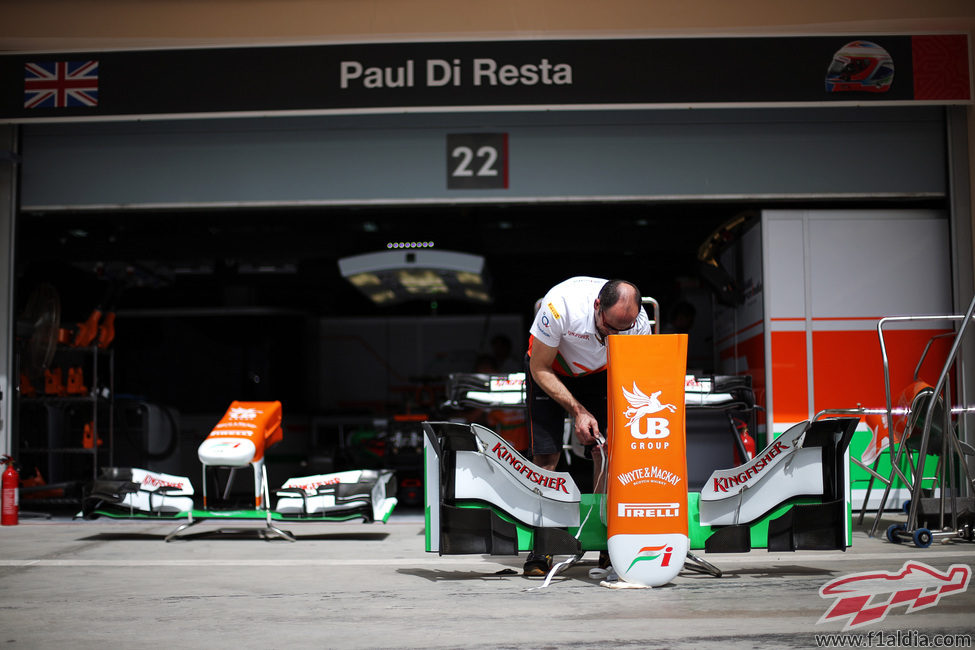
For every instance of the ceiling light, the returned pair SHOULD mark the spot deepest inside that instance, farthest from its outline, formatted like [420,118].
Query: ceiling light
[409,244]
[417,273]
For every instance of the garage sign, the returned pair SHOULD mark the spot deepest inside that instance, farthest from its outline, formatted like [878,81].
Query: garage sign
[488,75]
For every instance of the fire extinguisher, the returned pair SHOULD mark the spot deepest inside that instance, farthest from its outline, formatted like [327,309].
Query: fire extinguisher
[9,502]
[746,440]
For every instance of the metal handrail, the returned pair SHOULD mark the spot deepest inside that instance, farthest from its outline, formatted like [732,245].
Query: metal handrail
[655,323]
[887,394]
[926,431]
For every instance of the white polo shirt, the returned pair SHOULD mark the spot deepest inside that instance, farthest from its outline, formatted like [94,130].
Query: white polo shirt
[566,320]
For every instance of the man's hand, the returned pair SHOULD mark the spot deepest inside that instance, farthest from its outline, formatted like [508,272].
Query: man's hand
[540,365]
[587,428]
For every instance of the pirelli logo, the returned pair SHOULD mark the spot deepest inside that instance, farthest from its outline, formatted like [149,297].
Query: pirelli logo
[555,312]
[656,510]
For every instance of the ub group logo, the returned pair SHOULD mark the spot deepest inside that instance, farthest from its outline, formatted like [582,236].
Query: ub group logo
[641,408]
[866,598]
[240,413]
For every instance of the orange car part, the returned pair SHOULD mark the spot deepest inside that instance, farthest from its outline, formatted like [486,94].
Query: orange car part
[76,382]
[54,382]
[106,333]
[87,331]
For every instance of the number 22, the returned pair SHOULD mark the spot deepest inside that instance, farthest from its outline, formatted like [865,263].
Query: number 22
[467,155]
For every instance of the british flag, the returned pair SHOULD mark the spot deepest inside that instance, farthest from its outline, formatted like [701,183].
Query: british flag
[59,84]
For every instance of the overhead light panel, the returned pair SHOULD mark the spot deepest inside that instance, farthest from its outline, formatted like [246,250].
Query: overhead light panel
[419,273]
[409,244]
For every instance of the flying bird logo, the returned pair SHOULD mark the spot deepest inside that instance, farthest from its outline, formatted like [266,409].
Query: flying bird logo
[642,405]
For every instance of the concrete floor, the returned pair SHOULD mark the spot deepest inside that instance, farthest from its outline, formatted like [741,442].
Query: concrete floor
[118,584]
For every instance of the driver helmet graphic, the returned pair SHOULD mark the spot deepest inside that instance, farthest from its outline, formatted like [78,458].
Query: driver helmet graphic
[862,66]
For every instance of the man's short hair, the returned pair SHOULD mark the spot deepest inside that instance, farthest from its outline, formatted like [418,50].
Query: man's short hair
[609,295]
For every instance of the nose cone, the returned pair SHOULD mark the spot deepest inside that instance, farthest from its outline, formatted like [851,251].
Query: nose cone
[227,452]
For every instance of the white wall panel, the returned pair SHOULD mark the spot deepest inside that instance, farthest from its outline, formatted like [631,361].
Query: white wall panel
[861,263]
[785,266]
[877,263]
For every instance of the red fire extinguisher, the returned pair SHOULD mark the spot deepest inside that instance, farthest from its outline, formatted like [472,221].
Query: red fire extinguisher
[746,440]
[9,503]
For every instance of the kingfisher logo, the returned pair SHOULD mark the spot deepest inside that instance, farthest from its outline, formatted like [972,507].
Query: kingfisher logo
[643,510]
[516,463]
[866,598]
[641,425]
[153,481]
[750,471]
[514,381]
[311,487]
[652,554]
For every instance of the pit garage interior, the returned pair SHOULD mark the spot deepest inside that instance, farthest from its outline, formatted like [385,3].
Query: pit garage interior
[216,244]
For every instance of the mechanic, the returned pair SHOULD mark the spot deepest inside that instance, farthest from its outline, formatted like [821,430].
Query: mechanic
[567,371]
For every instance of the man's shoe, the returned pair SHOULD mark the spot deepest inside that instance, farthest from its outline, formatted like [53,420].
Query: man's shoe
[604,562]
[538,565]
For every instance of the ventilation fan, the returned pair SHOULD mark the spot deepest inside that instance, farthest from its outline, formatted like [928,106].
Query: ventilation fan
[37,331]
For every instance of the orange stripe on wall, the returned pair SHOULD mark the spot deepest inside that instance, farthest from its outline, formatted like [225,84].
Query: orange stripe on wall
[848,366]
[790,385]
[753,351]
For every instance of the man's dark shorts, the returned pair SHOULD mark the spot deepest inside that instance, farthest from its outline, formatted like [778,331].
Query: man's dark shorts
[546,417]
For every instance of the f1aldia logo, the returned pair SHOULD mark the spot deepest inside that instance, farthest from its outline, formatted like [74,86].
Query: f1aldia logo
[866,598]
[643,406]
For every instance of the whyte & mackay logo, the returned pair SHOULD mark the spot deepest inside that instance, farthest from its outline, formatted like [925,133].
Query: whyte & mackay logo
[866,598]
[650,474]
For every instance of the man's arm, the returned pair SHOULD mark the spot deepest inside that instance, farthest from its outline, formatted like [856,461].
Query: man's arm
[540,365]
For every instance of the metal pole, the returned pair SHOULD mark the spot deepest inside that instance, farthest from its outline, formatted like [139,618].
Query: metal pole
[926,431]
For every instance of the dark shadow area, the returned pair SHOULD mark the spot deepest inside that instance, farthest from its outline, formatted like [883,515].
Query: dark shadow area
[439,575]
[780,571]
[238,534]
